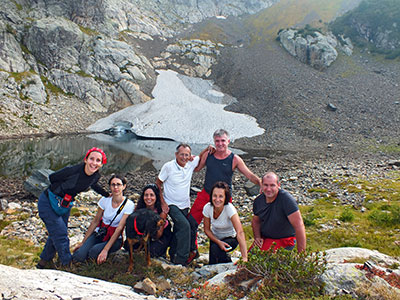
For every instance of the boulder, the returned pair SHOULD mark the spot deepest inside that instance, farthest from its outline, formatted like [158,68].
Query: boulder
[147,286]
[85,88]
[34,89]
[38,181]
[343,276]
[345,45]
[251,188]
[3,204]
[53,284]
[201,52]
[317,50]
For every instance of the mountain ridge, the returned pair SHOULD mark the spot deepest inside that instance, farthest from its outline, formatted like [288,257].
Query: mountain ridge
[100,77]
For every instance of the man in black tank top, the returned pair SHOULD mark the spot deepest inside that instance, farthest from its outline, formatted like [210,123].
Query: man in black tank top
[220,167]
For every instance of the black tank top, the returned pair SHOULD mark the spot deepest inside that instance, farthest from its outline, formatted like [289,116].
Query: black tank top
[218,170]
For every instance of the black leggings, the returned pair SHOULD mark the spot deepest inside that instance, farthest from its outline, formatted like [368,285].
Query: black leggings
[218,256]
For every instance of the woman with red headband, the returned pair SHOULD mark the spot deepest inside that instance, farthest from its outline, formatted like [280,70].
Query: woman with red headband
[56,201]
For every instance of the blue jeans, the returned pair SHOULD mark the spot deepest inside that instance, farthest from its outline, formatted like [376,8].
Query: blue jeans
[92,248]
[57,228]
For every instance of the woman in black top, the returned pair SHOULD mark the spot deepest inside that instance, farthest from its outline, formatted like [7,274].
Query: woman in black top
[55,203]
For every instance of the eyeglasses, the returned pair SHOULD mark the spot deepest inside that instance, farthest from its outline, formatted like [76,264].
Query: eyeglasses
[116,184]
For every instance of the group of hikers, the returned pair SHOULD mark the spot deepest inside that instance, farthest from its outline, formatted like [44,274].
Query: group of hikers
[276,221]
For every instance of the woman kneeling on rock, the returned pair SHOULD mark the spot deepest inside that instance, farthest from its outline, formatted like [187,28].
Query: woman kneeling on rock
[104,234]
[56,201]
[222,225]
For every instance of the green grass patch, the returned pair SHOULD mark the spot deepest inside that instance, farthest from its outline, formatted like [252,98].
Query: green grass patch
[392,148]
[75,212]
[4,224]
[88,30]
[318,190]
[83,74]
[20,76]
[330,224]
[18,253]
[51,87]
[17,5]
[347,215]
[210,31]
[386,216]
[27,118]
[3,124]
[289,13]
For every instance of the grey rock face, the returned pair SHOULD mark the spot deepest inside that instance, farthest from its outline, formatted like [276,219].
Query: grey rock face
[317,50]
[75,60]
[55,42]
[11,56]
[193,11]
[384,38]
[108,59]
[146,16]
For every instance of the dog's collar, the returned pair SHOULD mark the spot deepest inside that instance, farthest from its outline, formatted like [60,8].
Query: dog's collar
[136,229]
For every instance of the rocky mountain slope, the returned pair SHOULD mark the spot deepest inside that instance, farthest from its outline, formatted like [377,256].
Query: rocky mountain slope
[55,55]
[352,104]
[64,65]
[374,23]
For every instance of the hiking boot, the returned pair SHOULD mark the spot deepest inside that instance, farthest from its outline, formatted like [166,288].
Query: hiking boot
[176,261]
[43,264]
[192,256]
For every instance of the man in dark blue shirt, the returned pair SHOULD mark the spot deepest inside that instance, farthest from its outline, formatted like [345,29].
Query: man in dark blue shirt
[277,218]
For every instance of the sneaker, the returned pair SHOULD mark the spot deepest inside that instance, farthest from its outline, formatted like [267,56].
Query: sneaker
[192,256]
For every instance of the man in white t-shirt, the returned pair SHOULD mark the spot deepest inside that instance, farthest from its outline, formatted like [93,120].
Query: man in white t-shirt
[175,178]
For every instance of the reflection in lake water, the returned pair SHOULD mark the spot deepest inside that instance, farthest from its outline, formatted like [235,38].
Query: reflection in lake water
[19,157]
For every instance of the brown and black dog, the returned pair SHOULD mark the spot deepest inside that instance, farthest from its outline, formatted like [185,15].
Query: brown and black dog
[141,227]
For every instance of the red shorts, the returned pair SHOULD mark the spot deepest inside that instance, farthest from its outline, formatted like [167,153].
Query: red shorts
[197,209]
[279,243]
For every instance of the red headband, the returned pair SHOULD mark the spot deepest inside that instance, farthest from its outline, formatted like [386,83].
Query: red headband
[103,155]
